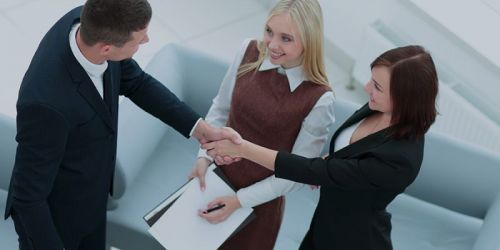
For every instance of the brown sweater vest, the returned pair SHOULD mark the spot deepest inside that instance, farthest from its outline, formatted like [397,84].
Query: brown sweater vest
[265,112]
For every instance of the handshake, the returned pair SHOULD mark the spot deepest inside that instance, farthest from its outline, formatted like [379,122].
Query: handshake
[224,145]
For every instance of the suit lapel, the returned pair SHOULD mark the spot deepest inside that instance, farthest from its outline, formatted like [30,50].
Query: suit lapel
[111,91]
[364,144]
[108,90]
[87,89]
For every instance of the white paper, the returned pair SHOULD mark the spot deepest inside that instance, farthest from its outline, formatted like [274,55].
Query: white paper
[181,227]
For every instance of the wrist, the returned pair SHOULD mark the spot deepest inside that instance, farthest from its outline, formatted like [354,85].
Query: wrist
[236,202]
[200,129]
[204,160]
[245,149]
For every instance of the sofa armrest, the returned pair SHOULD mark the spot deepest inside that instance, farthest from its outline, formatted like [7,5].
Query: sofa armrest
[192,75]
[138,136]
[7,149]
[488,234]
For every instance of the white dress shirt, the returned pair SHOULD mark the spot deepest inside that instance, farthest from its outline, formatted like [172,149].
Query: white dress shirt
[95,71]
[310,140]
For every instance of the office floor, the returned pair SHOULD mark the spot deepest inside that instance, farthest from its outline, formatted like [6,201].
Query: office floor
[217,27]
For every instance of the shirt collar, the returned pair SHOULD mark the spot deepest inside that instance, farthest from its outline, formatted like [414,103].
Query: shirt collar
[295,75]
[94,70]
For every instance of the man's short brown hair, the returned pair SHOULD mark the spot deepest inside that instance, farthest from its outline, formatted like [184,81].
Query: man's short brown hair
[113,21]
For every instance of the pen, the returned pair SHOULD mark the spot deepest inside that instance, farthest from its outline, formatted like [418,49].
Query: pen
[219,206]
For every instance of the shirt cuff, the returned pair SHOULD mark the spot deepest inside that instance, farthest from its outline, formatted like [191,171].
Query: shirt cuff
[245,199]
[194,127]
[203,153]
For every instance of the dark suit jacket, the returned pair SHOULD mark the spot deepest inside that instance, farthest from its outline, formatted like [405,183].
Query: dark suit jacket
[357,183]
[66,136]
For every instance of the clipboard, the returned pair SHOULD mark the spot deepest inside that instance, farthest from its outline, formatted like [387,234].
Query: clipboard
[153,216]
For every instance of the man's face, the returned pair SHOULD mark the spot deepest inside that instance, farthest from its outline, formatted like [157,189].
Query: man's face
[130,47]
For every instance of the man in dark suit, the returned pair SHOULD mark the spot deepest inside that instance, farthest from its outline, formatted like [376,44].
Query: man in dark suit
[67,114]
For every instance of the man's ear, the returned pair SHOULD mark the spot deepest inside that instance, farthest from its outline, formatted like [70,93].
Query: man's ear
[105,49]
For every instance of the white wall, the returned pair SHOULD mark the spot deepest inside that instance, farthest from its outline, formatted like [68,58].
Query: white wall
[471,73]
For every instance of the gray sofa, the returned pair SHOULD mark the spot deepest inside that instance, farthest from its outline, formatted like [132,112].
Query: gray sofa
[8,236]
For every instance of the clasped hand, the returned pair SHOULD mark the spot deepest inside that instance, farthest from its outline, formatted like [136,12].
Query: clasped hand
[207,134]
[224,151]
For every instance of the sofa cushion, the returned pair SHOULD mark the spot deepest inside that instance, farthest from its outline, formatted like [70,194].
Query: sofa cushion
[417,225]
[299,209]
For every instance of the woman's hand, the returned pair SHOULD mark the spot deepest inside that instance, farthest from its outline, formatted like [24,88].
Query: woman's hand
[228,158]
[199,171]
[231,204]
[224,148]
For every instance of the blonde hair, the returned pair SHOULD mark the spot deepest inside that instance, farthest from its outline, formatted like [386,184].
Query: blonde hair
[307,16]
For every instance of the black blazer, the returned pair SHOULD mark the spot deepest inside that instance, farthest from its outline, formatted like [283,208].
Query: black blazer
[357,183]
[66,136]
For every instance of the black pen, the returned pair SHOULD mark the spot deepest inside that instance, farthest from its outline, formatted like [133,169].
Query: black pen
[219,206]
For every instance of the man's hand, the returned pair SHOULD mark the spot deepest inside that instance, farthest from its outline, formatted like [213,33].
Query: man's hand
[206,133]
[223,148]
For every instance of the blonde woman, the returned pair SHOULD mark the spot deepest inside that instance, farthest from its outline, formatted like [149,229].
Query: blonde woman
[276,94]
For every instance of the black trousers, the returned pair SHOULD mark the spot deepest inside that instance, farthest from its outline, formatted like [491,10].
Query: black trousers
[96,240]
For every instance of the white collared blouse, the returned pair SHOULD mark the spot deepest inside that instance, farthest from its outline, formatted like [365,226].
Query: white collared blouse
[310,140]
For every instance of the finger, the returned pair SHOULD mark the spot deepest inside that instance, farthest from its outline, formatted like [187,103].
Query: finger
[227,159]
[217,161]
[211,153]
[215,202]
[207,216]
[208,145]
[231,134]
[212,217]
[220,159]
[191,175]
[201,178]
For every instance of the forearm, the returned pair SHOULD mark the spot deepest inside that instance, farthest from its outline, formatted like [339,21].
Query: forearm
[266,190]
[158,101]
[155,98]
[258,154]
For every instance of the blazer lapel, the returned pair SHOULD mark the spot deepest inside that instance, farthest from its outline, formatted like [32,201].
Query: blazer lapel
[87,89]
[111,91]
[364,144]
[108,90]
